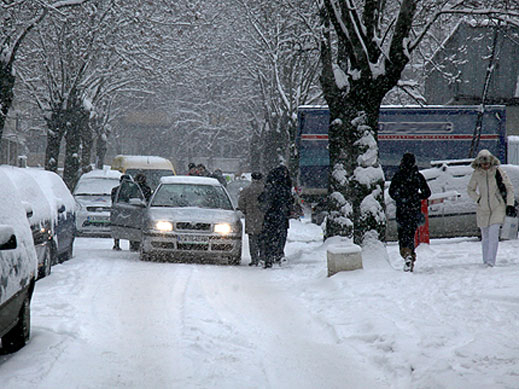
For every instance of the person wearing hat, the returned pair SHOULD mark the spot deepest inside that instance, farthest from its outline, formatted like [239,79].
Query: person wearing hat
[248,204]
[408,188]
[191,169]
[492,207]
[140,179]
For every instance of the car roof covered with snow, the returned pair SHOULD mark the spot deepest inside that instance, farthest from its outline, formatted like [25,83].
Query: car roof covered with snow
[124,162]
[30,192]
[55,189]
[97,182]
[193,180]
[102,173]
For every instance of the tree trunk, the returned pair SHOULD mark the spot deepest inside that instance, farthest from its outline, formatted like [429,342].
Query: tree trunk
[256,147]
[354,88]
[72,158]
[56,125]
[87,143]
[101,149]
[6,93]
[356,184]
[276,143]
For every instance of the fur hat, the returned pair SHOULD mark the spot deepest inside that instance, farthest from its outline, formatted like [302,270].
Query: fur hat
[484,156]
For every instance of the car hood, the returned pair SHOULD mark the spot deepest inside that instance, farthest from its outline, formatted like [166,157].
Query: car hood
[193,214]
[100,200]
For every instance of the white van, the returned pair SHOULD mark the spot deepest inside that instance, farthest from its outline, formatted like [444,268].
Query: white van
[151,166]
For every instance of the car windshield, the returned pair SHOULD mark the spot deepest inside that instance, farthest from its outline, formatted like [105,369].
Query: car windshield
[152,175]
[191,195]
[95,186]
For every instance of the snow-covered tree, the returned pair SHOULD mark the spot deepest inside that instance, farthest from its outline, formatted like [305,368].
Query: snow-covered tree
[17,19]
[284,63]
[365,46]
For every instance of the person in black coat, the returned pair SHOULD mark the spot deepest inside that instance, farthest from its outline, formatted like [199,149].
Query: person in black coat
[140,179]
[113,195]
[276,201]
[408,188]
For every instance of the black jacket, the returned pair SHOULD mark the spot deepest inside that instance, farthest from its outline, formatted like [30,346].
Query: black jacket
[276,200]
[408,188]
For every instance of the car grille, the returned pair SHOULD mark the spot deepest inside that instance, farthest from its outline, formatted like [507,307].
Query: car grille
[187,226]
[96,223]
[98,209]
[192,246]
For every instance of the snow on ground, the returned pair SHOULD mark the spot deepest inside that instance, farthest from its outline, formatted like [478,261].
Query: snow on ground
[107,320]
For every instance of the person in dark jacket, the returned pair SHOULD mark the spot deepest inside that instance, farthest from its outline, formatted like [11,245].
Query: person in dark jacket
[248,203]
[408,188]
[140,179]
[113,194]
[276,201]
[218,174]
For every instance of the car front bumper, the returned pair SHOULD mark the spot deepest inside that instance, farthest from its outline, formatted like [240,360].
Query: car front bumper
[196,247]
[93,224]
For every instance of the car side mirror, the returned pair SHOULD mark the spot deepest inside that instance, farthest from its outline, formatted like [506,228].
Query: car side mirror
[137,202]
[7,238]
[28,209]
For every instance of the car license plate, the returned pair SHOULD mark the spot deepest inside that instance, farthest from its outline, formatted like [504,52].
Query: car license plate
[192,239]
[98,219]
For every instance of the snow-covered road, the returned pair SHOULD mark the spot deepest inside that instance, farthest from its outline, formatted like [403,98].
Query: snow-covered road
[107,320]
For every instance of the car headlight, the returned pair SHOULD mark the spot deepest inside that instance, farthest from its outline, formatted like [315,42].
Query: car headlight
[163,226]
[223,228]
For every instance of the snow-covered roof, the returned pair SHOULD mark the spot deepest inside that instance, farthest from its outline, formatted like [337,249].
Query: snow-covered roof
[102,173]
[54,188]
[29,192]
[195,180]
[123,162]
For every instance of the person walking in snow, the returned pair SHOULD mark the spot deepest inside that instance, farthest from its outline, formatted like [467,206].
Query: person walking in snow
[248,203]
[484,189]
[276,201]
[408,188]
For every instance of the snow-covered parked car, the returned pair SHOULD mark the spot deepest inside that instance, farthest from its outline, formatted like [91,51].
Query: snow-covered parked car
[92,194]
[63,209]
[39,214]
[188,218]
[451,211]
[18,267]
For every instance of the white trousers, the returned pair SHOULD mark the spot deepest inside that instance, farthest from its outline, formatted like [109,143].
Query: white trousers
[489,243]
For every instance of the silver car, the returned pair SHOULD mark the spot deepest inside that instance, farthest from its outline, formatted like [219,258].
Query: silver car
[92,193]
[187,219]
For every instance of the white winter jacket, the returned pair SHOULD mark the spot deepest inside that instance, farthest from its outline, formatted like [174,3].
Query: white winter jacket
[482,188]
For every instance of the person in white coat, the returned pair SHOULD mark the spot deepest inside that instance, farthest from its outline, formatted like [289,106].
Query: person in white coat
[491,206]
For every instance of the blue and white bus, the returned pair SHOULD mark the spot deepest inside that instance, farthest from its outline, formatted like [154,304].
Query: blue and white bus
[430,132]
